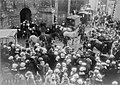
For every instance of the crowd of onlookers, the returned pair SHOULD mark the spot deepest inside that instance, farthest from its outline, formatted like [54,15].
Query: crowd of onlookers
[60,65]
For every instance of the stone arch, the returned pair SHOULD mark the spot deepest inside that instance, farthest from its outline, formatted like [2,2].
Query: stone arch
[25,14]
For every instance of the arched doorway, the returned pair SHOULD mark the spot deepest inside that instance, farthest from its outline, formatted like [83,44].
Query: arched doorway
[25,14]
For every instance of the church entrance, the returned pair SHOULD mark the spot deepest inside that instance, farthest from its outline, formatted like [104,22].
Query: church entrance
[25,14]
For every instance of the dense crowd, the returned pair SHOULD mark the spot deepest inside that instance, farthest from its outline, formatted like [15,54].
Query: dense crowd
[28,28]
[63,65]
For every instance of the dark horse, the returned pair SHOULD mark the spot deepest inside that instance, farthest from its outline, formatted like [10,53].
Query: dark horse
[103,47]
[55,32]
[46,40]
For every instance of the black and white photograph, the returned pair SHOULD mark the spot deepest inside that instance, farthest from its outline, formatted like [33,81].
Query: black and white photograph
[59,42]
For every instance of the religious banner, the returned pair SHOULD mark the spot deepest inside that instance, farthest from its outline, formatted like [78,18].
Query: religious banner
[117,10]
[110,6]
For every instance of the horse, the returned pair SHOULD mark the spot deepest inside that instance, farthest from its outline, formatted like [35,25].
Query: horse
[54,32]
[71,35]
[65,29]
[33,39]
[57,31]
[46,39]
[103,47]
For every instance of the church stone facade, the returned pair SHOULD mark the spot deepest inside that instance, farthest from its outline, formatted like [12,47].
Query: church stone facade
[14,12]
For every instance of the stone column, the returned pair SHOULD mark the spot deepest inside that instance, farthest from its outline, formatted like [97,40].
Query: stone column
[56,9]
[69,4]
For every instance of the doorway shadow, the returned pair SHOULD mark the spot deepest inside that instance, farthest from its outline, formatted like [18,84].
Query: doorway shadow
[25,14]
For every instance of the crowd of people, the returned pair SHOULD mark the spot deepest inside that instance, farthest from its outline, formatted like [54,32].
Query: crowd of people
[28,28]
[35,65]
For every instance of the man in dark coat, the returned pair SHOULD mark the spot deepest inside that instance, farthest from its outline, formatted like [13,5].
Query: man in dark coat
[4,55]
[41,69]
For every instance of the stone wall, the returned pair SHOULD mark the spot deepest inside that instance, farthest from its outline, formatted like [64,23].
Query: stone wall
[39,13]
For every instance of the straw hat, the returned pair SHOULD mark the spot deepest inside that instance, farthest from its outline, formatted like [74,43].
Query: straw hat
[68,60]
[14,65]
[62,55]
[64,64]
[82,68]
[40,59]
[76,76]
[57,58]
[98,64]
[107,61]
[96,71]
[27,61]
[22,64]
[56,71]
[80,81]
[9,48]
[97,68]
[55,53]
[84,64]
[58,64]
[74,69]
[119,64]
[17,50]
[114,83]
[10,58]
[78,55]
[22,53]
[74,56]
[80,62]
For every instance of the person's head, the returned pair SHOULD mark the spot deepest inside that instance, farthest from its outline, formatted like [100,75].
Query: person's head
[47,65]
[68,61]
[74,69]
[96,71]
[58,65]
[80,62]
[62,55]
[114,83]
[65,74]
[63,64]
[56,71]
[42,63]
